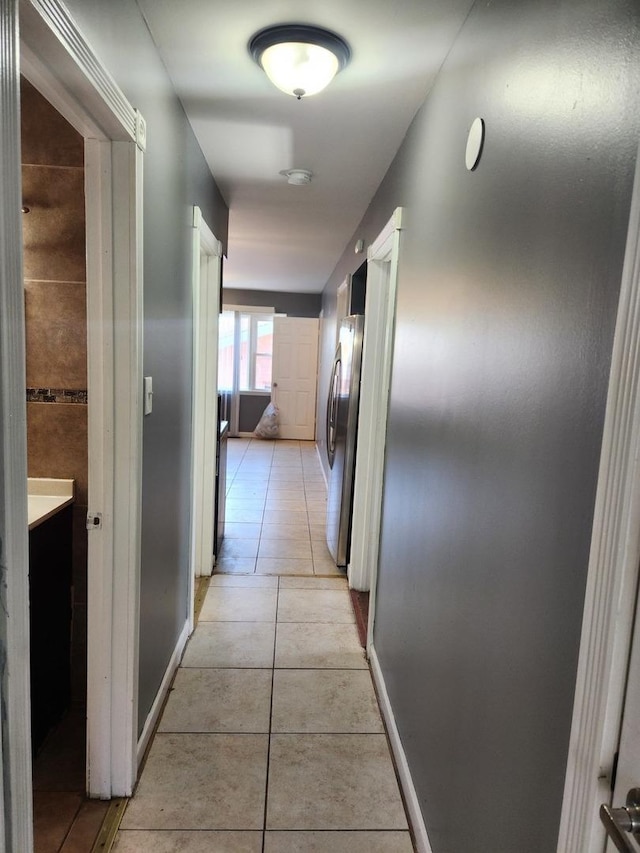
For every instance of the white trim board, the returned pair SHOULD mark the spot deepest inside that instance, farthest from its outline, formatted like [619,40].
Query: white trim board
[404,774]
[58,60]
[80,79]
[16,830]
[377,356]
[612,575]
[249,309]
[153,716]
[206,253]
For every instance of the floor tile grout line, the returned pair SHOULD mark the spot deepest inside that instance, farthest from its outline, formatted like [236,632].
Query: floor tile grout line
[70,827]
[273,671]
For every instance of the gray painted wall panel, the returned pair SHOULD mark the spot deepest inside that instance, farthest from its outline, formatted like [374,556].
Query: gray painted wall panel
[291,304]
[251,408]
[175,178]
[508,290]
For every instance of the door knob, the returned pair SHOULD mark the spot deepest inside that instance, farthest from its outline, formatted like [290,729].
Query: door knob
[621,822]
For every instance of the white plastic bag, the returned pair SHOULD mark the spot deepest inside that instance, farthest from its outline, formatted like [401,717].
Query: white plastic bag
[268,423]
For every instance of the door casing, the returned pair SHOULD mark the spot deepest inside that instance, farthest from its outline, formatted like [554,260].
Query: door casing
[377,354]
[207,259]
[612,578]
[59,62]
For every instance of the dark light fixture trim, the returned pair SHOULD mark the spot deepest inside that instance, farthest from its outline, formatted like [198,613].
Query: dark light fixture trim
[303,33]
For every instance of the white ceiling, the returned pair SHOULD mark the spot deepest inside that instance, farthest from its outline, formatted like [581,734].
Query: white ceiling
[284,237]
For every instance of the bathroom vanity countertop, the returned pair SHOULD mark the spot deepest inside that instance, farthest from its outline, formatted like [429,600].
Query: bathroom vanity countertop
[46,497]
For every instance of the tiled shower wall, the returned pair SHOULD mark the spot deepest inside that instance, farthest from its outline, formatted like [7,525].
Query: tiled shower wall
[56,325]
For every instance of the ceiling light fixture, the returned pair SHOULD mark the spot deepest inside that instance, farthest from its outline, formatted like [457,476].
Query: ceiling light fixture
[299,59]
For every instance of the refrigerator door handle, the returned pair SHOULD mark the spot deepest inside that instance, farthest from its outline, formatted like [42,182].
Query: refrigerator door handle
[332,407]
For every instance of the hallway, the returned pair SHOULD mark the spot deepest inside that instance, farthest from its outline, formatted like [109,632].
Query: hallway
[276,510]
[271,739]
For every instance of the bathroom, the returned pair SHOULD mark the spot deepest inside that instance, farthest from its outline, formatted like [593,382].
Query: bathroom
[57,407]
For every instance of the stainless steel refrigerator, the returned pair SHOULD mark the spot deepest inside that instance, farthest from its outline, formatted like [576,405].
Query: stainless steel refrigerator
[342,430]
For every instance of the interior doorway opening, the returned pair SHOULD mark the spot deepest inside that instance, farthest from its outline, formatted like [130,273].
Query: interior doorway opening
[56,59]
[54,252]
[207,270]
[245,364]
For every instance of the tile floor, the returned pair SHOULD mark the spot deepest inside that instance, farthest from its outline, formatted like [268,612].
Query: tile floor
[271,740]
[276,509]
[64,821]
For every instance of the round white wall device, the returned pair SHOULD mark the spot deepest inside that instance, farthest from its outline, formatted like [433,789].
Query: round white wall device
[475,141]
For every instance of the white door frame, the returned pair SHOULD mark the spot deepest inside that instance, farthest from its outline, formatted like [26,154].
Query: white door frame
[207,260]
[62,65]
[377,354]
[16,830]
[612,576]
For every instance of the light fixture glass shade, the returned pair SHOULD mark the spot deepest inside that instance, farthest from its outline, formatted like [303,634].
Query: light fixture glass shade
[299,59]
[298,68]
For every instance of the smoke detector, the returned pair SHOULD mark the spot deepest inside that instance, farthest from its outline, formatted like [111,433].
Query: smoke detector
[297,177]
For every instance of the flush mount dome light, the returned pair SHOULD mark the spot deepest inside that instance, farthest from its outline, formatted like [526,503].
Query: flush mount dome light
[299,59]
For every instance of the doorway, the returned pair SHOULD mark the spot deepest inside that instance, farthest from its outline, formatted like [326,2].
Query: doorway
[377,352]
[245,362]
[113,135]
[54,250]
[207,268]
[295,375]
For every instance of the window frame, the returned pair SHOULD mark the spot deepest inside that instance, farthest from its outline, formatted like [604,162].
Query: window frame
[254,315]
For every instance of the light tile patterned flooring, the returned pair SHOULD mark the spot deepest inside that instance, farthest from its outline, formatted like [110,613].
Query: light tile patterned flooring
[276,510]
[271,740]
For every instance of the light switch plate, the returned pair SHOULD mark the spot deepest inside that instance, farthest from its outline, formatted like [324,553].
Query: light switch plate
[148,395]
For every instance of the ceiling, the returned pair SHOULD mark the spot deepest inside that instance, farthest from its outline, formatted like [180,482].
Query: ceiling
[283,237]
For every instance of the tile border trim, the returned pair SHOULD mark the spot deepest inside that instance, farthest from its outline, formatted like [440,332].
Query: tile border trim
[57,395]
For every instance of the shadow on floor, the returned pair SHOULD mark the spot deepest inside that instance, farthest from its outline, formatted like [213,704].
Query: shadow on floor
[64,821]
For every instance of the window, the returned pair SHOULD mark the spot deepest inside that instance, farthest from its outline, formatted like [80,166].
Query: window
[263,354]
[246,345]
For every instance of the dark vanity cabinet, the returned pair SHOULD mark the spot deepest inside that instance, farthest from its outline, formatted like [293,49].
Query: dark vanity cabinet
[50,622]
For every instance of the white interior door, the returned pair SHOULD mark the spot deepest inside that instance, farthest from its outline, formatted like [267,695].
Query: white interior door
[295,374]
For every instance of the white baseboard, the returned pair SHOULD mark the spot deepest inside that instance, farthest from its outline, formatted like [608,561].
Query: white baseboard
[404,775]
[154,713]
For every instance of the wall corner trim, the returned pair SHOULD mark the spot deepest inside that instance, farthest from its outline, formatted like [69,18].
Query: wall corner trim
[158,703]
[412,804]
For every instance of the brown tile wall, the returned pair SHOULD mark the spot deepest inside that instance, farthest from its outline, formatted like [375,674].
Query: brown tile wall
[56,324]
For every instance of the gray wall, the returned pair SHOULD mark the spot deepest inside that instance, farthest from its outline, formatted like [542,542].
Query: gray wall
[292,304]
[251,408]
[508,288]
[175,178]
